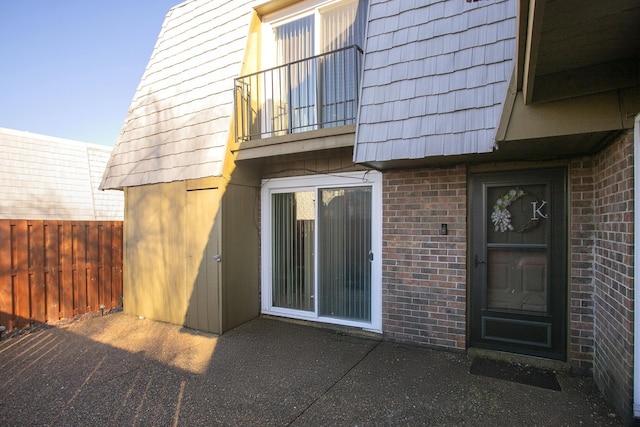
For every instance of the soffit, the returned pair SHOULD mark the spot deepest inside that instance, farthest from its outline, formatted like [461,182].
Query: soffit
[569,48]
[274,5]
[524,152]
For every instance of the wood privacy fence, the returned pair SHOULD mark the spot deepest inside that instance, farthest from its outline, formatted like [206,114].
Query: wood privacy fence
[51,270]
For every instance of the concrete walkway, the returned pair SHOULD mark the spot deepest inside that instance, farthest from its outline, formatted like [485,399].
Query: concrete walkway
[121,370]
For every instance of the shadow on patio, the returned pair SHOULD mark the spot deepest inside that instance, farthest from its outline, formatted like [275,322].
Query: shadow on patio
[122,370]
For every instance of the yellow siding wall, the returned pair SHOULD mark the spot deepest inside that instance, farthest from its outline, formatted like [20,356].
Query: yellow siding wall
[154,261]
[166,240]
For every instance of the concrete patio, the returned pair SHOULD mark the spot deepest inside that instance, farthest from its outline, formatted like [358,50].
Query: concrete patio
[122,370]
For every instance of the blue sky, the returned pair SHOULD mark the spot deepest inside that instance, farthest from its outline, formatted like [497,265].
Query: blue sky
[70,68]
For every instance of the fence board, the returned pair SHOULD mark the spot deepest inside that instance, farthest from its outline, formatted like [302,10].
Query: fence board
[66,270]
[117,266]
[106,259]
[51,265]
[50,270]
[80,302]
[36,270]
[6,295]
[20,273]
[92,250]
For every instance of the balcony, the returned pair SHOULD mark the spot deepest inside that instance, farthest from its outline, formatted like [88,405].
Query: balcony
[311,94]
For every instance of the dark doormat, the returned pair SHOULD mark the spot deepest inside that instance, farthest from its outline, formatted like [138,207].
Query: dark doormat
[515,372]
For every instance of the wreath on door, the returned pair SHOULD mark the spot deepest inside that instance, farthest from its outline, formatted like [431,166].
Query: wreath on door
[501,217]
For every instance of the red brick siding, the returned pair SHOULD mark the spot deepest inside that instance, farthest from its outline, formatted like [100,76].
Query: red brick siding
[613,276]
[582,241]
[423,272]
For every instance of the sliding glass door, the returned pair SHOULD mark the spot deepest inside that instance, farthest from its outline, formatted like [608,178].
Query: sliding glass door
[293,249]
[344,267]
[321,263]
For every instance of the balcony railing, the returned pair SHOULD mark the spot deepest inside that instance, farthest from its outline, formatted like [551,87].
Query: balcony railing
[310,94]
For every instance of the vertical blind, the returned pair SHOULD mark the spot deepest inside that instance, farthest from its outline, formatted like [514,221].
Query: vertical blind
[341,27]
[329,83]
[344,269]
[343,246]
[293,229]
[294,42]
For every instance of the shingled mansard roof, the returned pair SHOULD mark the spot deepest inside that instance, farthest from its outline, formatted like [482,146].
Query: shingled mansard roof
[436,74]
[178,123]
[435,77]
[43,177]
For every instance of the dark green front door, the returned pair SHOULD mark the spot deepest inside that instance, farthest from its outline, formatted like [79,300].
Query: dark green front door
[518,260]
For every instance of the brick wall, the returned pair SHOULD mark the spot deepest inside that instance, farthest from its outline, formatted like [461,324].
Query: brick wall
[423,272]
[424,278]
[613,275]
[582,241]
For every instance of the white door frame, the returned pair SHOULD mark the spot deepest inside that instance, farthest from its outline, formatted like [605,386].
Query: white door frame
[313,182]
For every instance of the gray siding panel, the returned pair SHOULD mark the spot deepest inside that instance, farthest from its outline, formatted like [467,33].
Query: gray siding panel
[179,120]
[43,177]
[435,75]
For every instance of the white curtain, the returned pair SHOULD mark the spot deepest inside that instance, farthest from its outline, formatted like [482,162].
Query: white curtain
[295,42]
[341,27]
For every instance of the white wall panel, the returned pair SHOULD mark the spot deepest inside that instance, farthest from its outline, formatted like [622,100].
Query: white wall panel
[44,177]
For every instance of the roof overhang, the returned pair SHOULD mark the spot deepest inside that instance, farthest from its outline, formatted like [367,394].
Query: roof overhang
[576,71]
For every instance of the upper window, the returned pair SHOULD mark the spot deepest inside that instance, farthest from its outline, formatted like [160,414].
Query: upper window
[312,28]
[312,58]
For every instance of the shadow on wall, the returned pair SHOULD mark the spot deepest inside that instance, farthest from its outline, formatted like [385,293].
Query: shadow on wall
[53,206]
[191,247]
[57,189]
[154,248]
[222,257]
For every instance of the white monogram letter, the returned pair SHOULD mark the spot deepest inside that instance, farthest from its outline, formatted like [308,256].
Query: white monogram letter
[537,211]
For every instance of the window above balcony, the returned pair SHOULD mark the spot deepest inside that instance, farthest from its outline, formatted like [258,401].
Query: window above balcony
[311,63]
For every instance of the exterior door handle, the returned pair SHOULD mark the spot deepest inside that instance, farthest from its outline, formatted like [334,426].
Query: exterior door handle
[217,258]
[477,261]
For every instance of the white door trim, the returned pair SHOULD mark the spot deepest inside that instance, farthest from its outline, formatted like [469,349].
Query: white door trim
[313,182]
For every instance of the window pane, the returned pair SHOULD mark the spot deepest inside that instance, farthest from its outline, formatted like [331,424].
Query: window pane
[518,214]
[517,279]
[344,26]
[294,40]
[293,250]
[344,270]
[296,108]
[341,27]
